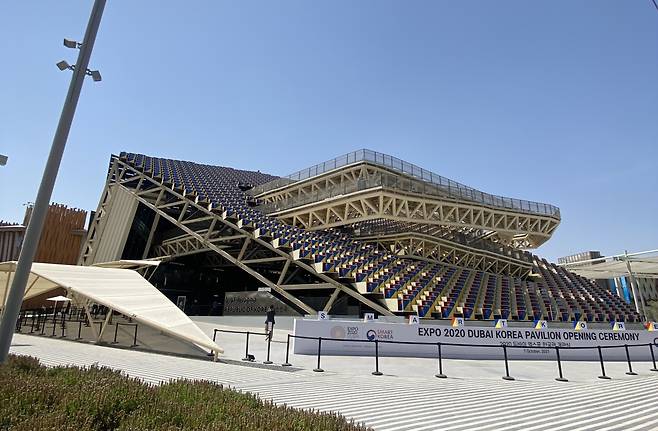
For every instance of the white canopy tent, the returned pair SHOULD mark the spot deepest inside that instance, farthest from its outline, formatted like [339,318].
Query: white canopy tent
[122,290]
[128,264]
[634,265]
[56,299]
[616,266]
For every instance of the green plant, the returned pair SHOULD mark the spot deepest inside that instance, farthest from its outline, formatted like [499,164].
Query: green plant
[95,398]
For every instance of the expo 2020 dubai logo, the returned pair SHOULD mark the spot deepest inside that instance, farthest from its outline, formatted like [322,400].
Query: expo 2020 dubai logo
[337,332]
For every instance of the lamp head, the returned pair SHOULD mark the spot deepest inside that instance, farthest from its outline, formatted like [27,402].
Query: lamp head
[63,65]
[70,43]
[95,75]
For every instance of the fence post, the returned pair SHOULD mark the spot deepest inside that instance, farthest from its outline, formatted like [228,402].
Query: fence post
[246,349]
[32,328]
[506,376]
[54,325]
[318,369]
[79,329]
[135,337]
[19,322]
[214,336]
[602,376]
[287,363]
[653,358]
[269,343]
[43,324]
[628,359]
[116,329]
[63,325]
[559,366]
[376,372]
[440,374]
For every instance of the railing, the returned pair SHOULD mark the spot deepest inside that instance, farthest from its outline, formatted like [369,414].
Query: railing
[246,344]
[439,346]
[38,319]
[446,185]
[394,183]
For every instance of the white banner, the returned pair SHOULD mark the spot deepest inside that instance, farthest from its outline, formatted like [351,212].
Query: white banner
[524,343]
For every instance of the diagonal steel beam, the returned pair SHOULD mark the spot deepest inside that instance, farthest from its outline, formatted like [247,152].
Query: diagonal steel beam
[372,304]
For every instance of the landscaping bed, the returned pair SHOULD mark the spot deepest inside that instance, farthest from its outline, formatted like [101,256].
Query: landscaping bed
[35,397]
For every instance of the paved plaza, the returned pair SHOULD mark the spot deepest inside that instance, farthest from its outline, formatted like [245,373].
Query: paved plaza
[407,396]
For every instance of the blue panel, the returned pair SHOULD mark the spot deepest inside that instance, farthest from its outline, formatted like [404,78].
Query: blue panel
[625,289]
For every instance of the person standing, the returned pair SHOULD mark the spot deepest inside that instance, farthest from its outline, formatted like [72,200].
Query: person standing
[269,322]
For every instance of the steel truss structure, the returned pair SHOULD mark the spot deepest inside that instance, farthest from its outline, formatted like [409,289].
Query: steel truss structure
[366,191]
[427,247]
[205,229]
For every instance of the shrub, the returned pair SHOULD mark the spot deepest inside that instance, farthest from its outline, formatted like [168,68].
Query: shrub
[96,398]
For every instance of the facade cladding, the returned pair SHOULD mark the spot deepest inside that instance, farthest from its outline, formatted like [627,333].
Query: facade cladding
[355,235]
[61,239]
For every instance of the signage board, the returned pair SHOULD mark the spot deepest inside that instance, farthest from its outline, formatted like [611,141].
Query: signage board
[254,304]
[523,342]
[457,322]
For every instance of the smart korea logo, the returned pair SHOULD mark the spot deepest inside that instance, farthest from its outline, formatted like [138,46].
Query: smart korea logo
[372,335]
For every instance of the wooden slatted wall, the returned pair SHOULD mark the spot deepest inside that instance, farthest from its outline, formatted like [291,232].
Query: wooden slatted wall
[62,236]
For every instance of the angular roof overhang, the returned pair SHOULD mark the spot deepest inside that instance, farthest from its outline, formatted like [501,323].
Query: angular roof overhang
[122,290]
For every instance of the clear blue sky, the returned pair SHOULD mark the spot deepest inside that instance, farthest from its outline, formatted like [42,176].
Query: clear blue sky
[553,101]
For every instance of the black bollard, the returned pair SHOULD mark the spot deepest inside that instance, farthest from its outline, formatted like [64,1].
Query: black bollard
[214,336]
[269,343]
[377,372]
[79,329]
[559,366]
[116,330]
[602,376]
[246,349]
[628,359]
[653,358]
[506,376]
[287,363]
[134,344]
[19,323]
[318,369]
[63,326]
[54,326]
[440,374]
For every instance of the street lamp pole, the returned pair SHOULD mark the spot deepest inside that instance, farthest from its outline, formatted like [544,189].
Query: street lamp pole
[22,272]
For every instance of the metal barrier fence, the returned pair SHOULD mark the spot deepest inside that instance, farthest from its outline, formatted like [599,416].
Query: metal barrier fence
[439,345]
[38,319]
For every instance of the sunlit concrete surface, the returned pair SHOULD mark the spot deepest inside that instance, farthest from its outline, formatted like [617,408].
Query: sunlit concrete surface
[407,396]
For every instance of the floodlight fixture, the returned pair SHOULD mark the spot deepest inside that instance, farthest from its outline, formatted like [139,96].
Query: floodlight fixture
[95,75]
[63,65]
[3,160]
[71,43]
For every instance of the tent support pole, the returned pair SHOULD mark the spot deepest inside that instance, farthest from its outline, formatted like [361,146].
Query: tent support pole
[31,285]
[91,320]
[107,319]
[637,295]
[4,295]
